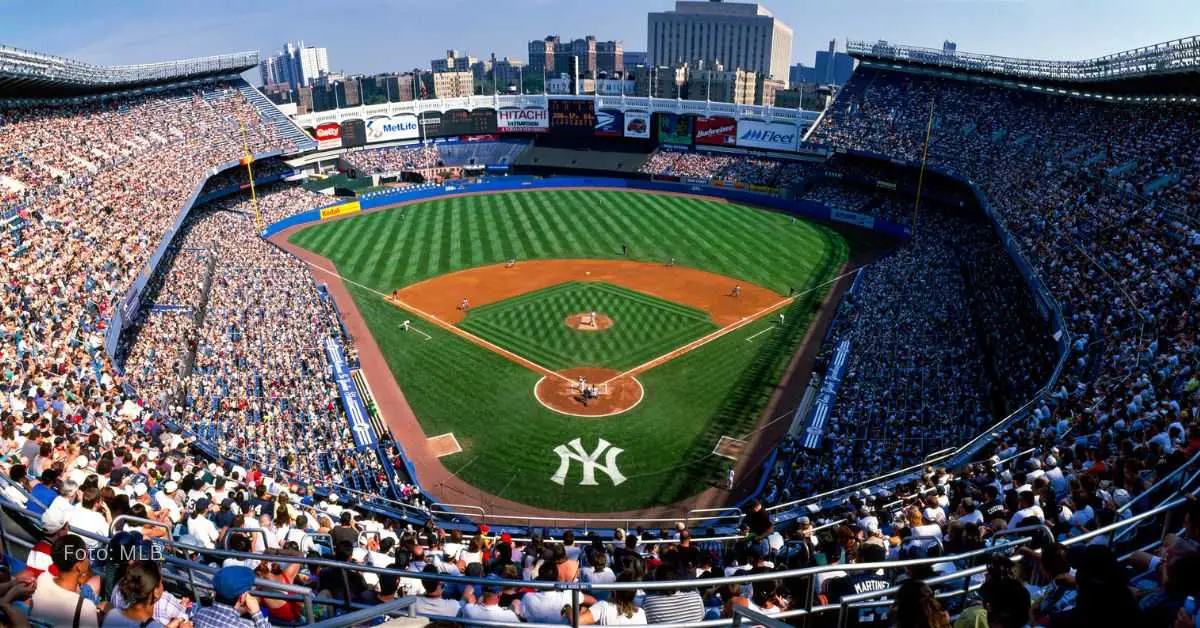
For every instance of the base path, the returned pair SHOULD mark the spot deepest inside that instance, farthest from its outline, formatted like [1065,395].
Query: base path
[710,292]
[614,393]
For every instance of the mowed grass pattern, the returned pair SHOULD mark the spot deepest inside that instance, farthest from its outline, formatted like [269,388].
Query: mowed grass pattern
[391,249]
[532,325]
[486,400]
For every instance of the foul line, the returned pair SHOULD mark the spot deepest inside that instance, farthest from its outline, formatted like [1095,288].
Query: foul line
[732,327]
[771,328]
[533,366]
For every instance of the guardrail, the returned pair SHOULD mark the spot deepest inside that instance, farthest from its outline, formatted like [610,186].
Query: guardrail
[807,607]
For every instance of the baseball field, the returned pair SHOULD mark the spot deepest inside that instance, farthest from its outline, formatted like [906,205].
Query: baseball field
[680,314]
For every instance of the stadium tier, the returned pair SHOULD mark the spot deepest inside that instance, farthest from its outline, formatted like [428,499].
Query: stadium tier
[936,362]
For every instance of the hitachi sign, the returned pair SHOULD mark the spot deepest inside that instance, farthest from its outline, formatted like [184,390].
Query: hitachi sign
[767,136]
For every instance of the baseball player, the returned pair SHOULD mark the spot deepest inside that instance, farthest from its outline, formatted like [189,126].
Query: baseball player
[465,305]
[737,290]
[511,263]
[729,478]
[781,318]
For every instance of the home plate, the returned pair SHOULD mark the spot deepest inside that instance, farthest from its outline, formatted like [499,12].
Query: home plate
[444,445]
[729,447]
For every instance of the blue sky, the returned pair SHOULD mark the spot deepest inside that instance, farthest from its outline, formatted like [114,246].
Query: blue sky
[382,35]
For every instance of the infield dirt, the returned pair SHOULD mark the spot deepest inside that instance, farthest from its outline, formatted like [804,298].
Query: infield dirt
[710,292]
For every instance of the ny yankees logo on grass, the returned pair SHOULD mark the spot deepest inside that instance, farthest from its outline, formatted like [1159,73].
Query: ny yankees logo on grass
[590,462]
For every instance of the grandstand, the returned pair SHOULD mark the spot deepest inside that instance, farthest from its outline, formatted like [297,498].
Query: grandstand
[1009,402]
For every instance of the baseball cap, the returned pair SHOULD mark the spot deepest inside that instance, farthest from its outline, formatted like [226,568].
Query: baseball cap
[506,538]
[203,504]
[231,582]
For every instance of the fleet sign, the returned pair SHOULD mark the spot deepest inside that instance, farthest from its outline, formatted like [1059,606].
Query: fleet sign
[524,120]
[392,128]
[768,135]
[716,131]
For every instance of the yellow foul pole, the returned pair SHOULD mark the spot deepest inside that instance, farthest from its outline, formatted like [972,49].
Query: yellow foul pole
[249,159]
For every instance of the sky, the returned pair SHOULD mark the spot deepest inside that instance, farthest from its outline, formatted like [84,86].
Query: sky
[370,36]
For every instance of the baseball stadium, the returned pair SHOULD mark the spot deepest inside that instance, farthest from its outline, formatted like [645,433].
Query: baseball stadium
[909,340]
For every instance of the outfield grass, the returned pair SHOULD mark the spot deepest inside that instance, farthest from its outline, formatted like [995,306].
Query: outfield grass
[486,400]
[644,327]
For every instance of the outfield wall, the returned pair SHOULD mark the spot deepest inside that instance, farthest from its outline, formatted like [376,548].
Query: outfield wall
[801,208]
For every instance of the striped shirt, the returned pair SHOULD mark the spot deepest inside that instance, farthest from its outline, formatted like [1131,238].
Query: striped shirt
[677,608]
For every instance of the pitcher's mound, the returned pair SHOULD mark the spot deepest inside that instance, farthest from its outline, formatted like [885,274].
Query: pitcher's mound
[588,321]
[608,396]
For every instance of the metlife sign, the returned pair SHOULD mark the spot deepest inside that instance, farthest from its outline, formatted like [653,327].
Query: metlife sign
[768,135]
[524,120]
[392,128]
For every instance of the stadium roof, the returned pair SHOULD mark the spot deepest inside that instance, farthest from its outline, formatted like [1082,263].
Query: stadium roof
[28,74]
[1168,68]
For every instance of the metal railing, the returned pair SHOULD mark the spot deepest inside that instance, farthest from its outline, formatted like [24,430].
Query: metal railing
[1178,55]
[27,63]
[806,607]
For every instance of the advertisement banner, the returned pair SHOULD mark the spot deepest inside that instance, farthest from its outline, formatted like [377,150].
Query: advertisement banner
[674,129]
[637,124]
[577,117]
[340,210]
[328,135]
[609,123]
[851,218]
[716,131]
[392,128]
[768,135]
[354,133]
[356,411]
[524,120]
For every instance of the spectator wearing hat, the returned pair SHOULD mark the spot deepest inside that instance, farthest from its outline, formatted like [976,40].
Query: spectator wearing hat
[233,606]
[57,600]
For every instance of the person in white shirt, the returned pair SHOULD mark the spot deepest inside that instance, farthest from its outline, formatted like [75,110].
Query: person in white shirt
[548,606]
[968,512]
[56,601]
[1028,510]
[432,603]
[90,516]
[201,528]
[487,607]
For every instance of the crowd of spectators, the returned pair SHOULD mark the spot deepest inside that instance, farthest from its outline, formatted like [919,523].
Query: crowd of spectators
[944,334]
[393,159]
[730,168]
[944,340]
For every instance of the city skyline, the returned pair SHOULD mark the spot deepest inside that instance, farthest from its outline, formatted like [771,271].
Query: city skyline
[398,35]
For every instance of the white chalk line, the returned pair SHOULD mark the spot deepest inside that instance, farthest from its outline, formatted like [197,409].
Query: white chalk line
[533,366]
[745,320]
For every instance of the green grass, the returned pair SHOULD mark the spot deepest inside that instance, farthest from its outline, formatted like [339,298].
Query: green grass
[532,325]
[486,400]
